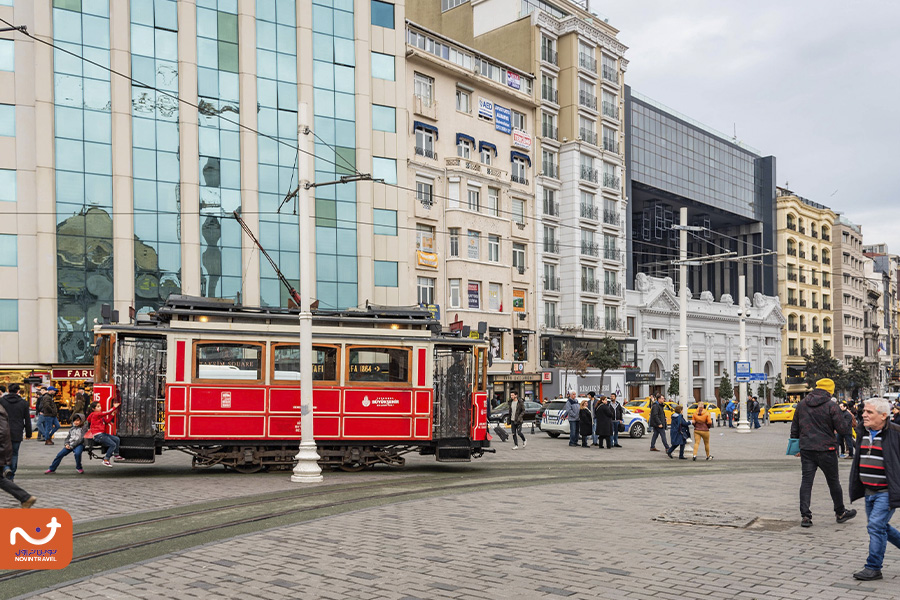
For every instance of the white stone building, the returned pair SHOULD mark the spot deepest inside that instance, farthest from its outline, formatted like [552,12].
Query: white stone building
[652,313]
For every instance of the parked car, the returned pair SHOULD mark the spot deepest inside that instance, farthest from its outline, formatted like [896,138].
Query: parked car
[554,422]
[782,412]
[642,408]
[712,408]
[501,412]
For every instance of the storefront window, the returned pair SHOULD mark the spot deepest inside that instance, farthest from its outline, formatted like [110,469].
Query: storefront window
[520,346]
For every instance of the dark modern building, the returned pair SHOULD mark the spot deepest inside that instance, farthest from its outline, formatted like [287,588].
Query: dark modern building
[673,161]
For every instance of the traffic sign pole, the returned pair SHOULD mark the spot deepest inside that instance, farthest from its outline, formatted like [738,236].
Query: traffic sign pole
[743,423]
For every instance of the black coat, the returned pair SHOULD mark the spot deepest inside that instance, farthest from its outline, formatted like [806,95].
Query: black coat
[890,444]
[657,415]
[816,420]
[619,410]
[19,416]
[604,414]
[6,449]
[585,423]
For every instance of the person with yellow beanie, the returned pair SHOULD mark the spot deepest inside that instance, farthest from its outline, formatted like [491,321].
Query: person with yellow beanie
[815,422]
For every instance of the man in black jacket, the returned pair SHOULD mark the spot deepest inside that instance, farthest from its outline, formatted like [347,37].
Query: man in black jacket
[6,483]
[875,475]
[658,423]
[19,421]
[815,422]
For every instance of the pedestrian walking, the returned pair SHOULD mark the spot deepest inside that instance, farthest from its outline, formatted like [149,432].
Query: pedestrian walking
[585,423]
[875,476]
[729,413]
[845,442]
[6,454]
[604,414]
[74,443]
[681,431]
[815,421]
[48,421]
[81,401]
[572,411]
[95,422]
[753,412]
[702,420]
[516,417]
[593,402]
[618,419]
[19,417]
[658,423]
[896,417]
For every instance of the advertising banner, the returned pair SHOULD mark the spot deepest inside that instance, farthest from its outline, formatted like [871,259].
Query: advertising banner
[521,139]
[513,80]
[503,119]
[518,300]
[474,294]
[485,109]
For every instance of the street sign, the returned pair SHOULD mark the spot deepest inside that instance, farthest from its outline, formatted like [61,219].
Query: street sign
[741,379]
[759,377]
[741,369]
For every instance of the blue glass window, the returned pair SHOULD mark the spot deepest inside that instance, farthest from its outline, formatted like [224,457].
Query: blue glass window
[7,185]
[384,168]
[9,315]
[7,120]
[7,55]
[9,255]
[382,14]
[384,118]
[382,66]
[385,273]
[385,221]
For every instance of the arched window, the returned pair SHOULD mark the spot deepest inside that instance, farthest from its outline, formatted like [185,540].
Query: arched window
[791,222]
[656,369]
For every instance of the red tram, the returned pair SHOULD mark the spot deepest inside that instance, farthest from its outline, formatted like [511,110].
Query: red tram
[221,382]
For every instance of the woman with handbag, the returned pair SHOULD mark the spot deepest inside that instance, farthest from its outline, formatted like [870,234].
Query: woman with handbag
[702,421]
[681,431]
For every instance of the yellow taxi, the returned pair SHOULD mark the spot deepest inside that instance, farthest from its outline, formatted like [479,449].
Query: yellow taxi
[642,408]
[782,412]
[712,408]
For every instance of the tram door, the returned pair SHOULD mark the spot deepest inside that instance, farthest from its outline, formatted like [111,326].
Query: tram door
[140,368]
[453,369]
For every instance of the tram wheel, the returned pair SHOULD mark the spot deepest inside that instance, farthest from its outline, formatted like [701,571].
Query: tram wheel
[248,468]
[353,467]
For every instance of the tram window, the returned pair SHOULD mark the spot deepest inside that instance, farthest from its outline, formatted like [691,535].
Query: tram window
[218,360]
[384,365]
[102,359]
[286,359]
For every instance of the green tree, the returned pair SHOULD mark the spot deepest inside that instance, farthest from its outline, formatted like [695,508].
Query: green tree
[763,392]
[571,360]
[674,383]
[821,364]
[779,390]
[726,391]
[858,377]
[607,357]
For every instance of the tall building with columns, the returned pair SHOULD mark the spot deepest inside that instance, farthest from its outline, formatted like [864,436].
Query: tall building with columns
[127,144]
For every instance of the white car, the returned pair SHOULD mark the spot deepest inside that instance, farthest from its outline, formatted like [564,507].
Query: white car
[555,423]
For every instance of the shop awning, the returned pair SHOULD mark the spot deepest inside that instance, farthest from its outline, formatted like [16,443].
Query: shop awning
[514,155]
[426,127]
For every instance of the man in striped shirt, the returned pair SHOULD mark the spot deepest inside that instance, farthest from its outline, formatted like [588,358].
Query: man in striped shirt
[875,475]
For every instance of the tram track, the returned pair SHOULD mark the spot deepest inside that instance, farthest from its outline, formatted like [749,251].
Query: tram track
[98,549]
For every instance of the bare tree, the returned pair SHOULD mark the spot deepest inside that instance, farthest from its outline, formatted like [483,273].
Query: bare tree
[571,360]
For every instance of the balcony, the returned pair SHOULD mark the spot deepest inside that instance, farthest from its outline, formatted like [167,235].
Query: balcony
[612,254]
[610,110]
[591,322]
[815,257]
[802,254]
[815,304]
[826,306]
[815,281]
[520,179]
[590,285]
[793,352]
[586,61]
[611,288]
[792,327]
[587,100]
[589,174]
[826,283]
[609,73]
[802,230]
[815,329]
[826,237]
[792,251]
[826,261]
[614,325]
[465,163]
[826,329]
[792,276]
[802,327]
[611,217]
[551,246]
[814,233]
[550,94]
[610,145]
[803,279]
[589,211]
[549,131]
[425,106]
[551,284]
[590,249]
[550,170]
[792,226]
[611,181]
[803,303]
[792,302]
[551,208]
[549,55]
[494,172]
[551,321]
[427,153]
[588,136]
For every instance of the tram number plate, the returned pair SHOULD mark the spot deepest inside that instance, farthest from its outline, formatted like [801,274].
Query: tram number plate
[226,399]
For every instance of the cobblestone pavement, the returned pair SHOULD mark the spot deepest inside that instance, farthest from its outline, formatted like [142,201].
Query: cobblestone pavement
[592,539]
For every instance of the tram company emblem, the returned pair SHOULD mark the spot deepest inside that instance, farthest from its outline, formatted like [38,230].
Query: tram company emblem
[35,538]
[366,402]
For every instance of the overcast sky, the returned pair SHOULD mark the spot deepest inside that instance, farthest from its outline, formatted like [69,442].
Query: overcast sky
[814,83]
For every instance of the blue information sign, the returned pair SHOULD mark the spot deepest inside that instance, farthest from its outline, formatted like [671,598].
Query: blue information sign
[742,369]
[758,377]
[502,119]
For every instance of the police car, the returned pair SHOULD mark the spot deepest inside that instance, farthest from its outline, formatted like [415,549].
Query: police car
[555,423]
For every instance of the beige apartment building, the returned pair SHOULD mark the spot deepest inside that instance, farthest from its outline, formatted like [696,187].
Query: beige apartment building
[805,284]
[850,291]
[470,142]
[580,209]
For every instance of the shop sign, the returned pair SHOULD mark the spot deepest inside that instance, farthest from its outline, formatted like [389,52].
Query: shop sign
[518,300]
[503,119]
[639,377]
[518,367]
[513,80]
[517,377]
[434,309]
[485,109]
[547,377]
[521,139]
[71,373]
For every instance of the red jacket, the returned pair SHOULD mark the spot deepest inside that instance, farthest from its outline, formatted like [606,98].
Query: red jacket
[96,421]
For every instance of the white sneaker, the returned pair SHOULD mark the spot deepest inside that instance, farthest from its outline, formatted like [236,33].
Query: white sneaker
[106,463]
[524,443]
[516,447]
